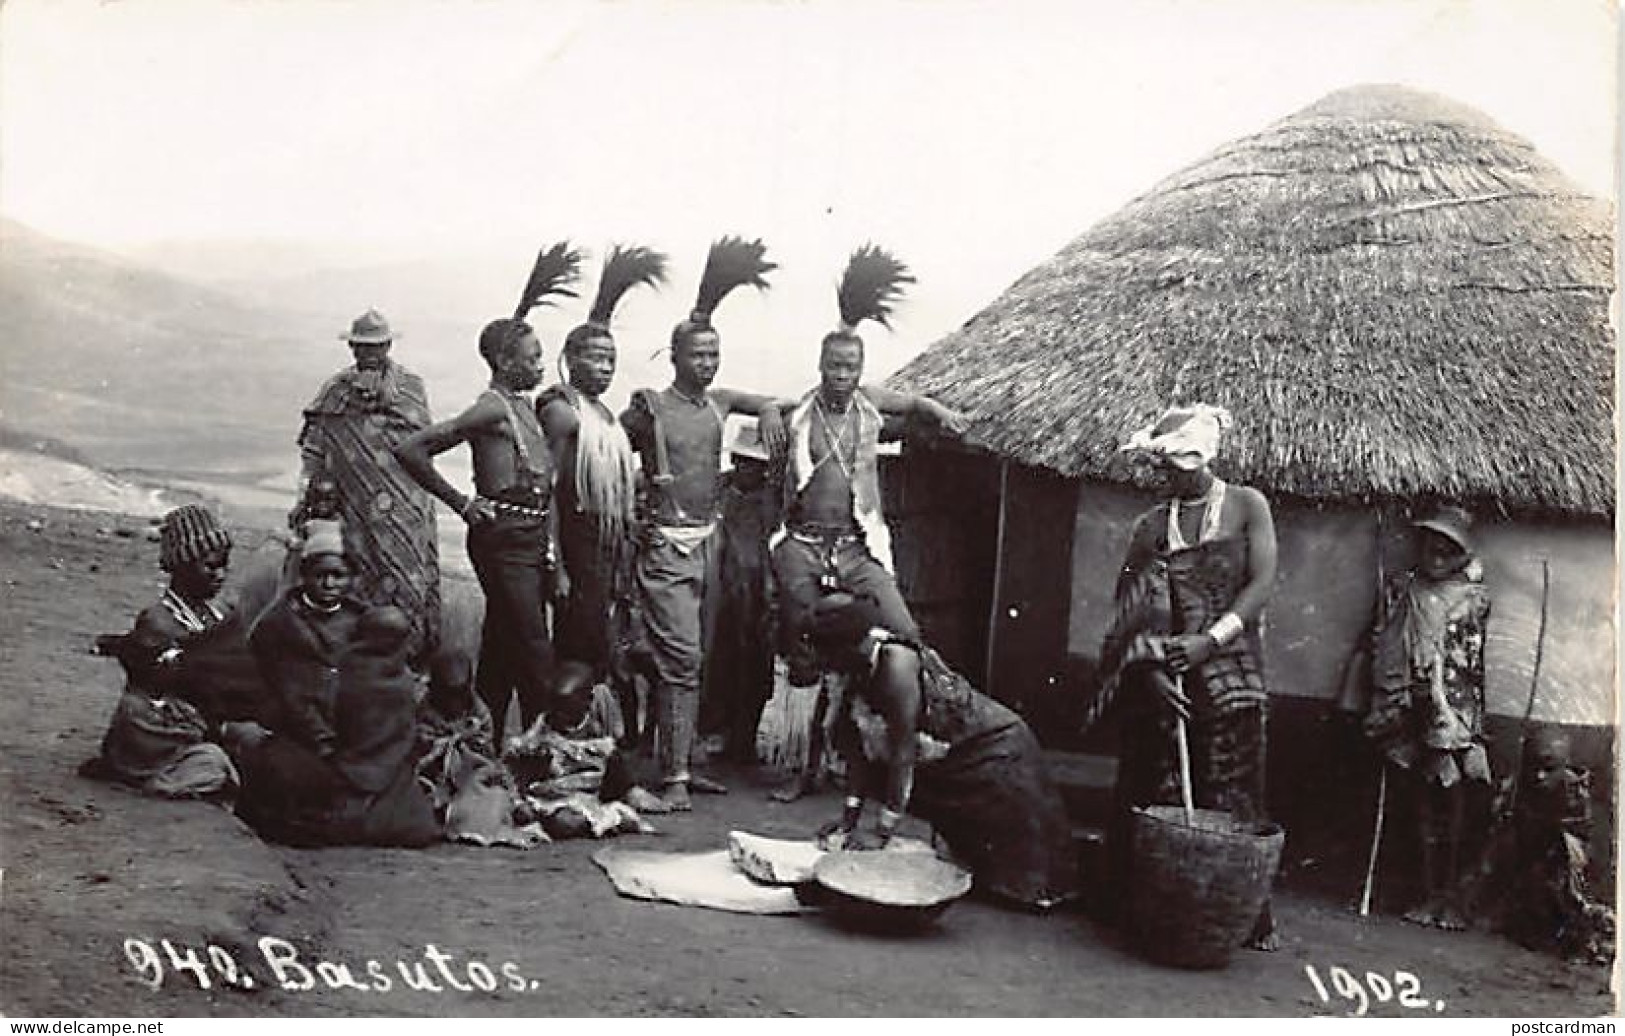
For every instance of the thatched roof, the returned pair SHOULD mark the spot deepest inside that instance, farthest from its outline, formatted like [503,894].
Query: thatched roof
[1396,298]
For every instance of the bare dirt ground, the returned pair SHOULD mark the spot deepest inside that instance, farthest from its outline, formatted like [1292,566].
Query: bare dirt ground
[88,867]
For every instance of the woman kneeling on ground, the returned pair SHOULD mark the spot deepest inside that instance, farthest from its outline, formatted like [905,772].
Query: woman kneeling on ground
[918,736]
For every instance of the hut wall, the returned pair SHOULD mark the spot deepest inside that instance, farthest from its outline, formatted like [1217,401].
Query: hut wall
[1326,592]
[1577,669]
[1323,597]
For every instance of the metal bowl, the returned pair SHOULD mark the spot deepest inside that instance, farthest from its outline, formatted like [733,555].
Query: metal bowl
[888,891]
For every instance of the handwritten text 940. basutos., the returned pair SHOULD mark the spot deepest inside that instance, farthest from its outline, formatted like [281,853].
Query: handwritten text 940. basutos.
[435,971]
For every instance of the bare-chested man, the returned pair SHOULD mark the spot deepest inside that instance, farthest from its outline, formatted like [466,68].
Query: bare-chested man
[508,535]
[678,432]
[597,469]
[834,535]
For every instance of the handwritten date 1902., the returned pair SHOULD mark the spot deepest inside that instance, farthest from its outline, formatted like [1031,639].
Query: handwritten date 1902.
[1404,989]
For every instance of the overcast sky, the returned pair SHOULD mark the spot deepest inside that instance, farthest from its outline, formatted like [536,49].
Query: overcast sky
[973,138]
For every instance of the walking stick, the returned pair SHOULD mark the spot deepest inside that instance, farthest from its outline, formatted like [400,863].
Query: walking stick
[1370,886]
[1534,679]
[1183,743]
[1540,651]
[1376,843]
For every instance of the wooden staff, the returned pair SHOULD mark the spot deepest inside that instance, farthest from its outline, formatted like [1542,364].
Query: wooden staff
[1370,886]
[1540,651]
[1376,843]
[1184,746]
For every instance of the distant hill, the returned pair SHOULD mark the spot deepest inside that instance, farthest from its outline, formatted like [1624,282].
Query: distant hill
[138,368]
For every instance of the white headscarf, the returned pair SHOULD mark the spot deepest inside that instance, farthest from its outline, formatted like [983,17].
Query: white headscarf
[1187,435]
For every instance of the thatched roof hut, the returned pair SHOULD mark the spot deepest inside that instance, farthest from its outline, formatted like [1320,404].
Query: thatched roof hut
[1396,297]
[1399,301]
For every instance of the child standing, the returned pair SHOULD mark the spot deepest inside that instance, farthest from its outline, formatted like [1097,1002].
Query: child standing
[1427,699]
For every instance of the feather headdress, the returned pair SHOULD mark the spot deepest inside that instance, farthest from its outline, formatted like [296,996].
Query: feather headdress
[732,262]
[870,287]
[626,267]
[556,271]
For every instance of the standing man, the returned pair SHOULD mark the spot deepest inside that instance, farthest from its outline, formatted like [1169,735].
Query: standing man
[597,474]
[508,525]
[678,432]
[349,472]
[1185,641]
[834,536]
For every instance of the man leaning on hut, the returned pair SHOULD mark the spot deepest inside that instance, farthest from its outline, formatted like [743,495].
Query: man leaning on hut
[835,536]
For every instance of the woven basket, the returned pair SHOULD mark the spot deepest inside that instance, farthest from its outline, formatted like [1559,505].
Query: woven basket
[1197,889]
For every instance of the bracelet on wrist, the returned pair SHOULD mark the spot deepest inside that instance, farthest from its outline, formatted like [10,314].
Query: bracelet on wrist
[1227,628]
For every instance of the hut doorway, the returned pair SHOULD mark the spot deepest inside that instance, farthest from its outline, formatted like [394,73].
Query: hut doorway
[943,508]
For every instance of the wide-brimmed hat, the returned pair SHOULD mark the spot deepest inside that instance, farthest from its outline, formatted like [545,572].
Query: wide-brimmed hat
[370,328]
[1452,522]
[748,443]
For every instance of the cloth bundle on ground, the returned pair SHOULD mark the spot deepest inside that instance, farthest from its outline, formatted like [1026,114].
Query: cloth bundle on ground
[473,794]
[161,746]
[575,781]
[547,764]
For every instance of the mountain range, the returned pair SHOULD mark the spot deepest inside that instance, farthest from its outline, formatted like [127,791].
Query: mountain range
[136,368]
[193,359]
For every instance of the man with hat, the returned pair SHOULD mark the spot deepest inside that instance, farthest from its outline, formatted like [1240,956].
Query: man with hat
[739,648]
[1426,715]
[349,472]
[1184,642]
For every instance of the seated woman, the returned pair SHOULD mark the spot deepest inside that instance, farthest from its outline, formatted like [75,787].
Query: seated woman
[158,741]
[917,735]
[358,785]
[299,644]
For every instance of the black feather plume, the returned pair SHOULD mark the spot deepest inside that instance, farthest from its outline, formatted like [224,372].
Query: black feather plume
[732,261]
[556,269]
[871,286]
[626,268]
